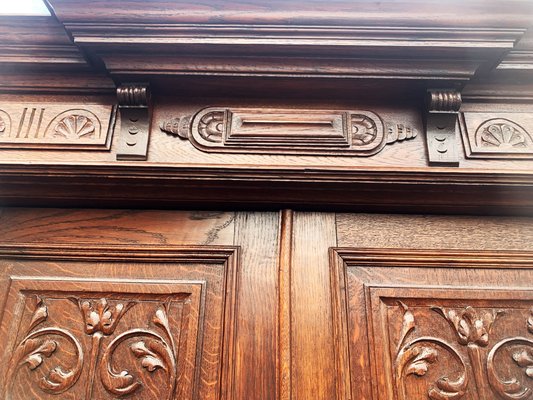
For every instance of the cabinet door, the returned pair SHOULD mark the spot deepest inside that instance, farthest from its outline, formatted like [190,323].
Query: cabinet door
[147,305]
[433,307]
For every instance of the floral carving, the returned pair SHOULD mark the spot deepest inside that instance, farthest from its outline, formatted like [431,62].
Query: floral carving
[211,126]
[468,325]
[154,351]
[37,345]
[74,126]
[472,329]
[154,348]
[502,134]
[364,130]
[417,355]
[99,316]
[524,359]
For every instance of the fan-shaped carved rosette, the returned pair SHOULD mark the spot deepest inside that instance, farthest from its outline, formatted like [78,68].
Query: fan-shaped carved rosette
[503,134]
[211,126]
[506,137]
[57,126]
[74,127]
[364,130]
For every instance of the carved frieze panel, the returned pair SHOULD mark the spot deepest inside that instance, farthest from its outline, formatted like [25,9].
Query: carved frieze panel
[73,338]
[497,135]
[87,127]
[288,131]
[433,335]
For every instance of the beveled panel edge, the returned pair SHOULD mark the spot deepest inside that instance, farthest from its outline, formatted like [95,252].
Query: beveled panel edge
[343,257]
[397,257]
[120,252]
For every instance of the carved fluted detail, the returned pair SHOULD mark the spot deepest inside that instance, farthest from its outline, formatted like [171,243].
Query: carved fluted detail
[444,100]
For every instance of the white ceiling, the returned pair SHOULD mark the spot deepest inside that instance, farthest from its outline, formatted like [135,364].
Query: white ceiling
[23,7]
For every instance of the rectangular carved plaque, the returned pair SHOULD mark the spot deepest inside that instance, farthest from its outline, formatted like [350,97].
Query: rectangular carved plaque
[52,125]
[288,127]
[497,135]
[288,131]
[414,326]
[159,327]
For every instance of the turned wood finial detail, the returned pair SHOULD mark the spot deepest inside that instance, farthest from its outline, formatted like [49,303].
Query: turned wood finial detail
[133,95]
[444,100]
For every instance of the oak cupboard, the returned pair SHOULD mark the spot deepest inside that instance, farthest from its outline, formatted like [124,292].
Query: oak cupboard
[252,200]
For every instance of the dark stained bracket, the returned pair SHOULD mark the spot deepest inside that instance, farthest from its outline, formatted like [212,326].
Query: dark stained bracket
[135,115]
[441,119]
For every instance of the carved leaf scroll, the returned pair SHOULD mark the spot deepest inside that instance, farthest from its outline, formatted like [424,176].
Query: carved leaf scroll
[39,344]
[100,318]
[472,329]
[416,356]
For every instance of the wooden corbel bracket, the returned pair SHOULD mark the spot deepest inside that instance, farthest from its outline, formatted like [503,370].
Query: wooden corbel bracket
[441,119]
[135,116]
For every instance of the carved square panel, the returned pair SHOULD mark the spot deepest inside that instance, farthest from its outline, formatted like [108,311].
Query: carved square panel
[56,126]
[421,326]
[497,135]
[74,337]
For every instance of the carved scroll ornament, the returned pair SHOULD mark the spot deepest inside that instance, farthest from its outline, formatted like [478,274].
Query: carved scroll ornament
[472,330]
[287,131]
[154,348]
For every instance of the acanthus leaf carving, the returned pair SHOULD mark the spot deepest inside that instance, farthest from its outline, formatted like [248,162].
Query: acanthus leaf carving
[468,325]
[524,359]
[100,318]
[510,388]
[472,329]
[36,345]
[154,352]
[36,350]
[418,354]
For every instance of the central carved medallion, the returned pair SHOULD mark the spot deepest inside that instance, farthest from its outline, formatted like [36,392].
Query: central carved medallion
[287,131]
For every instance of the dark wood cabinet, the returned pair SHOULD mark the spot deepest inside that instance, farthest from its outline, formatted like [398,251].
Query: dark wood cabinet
[169,304]
[267,200]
